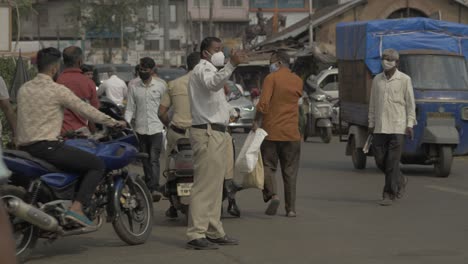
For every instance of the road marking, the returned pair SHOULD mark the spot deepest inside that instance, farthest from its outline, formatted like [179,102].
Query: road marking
[447,189]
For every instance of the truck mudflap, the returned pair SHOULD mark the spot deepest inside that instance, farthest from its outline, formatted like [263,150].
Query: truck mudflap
[441,131]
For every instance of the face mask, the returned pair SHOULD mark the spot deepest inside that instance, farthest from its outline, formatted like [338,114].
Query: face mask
[388,65]
[274,67]
[144,75]
[218,59]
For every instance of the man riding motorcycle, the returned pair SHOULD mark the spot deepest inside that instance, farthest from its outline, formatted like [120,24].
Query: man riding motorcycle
[41,104]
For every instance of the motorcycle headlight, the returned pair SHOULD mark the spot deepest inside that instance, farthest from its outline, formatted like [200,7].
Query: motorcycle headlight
[465,113]
[319,97]
[248,108]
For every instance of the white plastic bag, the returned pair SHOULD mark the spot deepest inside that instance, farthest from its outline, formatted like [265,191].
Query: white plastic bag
[254,179]
[164,140]
[248,156]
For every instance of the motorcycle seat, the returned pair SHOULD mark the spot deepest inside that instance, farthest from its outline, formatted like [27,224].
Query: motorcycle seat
[25,155]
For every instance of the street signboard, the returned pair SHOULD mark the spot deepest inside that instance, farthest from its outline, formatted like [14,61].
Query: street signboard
[5,28]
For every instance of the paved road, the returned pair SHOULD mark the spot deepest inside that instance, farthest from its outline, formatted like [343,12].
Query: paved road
[338,221]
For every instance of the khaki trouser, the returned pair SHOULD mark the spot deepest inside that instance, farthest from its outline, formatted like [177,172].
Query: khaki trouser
[171,138]
[209,154]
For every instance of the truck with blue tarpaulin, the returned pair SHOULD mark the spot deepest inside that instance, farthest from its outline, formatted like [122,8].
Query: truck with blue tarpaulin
[434,54]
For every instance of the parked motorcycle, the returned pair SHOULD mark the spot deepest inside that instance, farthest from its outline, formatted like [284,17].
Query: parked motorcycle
[179,176]
[38,195]
[179,180]
[319,117]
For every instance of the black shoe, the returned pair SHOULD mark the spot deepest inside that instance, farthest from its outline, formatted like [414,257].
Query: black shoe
[272,207]
[224,241]
[201,244]
[171,212]
[232,208]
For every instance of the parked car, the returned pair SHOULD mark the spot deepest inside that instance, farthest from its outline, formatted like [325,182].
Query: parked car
[244,105]
[326,82]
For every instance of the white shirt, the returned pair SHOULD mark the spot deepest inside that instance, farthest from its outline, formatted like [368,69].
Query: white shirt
[143,103]
[206,94]
[115,89]
[392,107]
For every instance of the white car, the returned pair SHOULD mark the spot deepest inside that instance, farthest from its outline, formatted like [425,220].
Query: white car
[325,82]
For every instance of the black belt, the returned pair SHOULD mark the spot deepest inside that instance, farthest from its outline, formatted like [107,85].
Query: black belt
[216,127]
[177,130]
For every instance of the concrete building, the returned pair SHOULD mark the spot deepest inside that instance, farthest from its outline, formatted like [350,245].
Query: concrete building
[325,19]
[50,24]
[229,18]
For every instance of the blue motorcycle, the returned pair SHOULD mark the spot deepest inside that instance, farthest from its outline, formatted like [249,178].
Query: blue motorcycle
[39,194]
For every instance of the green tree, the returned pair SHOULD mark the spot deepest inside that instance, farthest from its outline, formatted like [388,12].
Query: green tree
[110,18]
[21,8]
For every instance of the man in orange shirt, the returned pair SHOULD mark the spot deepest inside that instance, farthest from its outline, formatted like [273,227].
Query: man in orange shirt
[279,114]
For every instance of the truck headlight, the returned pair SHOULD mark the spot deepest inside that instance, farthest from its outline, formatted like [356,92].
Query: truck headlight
[464,113]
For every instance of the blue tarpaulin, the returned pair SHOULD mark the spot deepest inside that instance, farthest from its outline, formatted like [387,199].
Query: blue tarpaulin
[366,40]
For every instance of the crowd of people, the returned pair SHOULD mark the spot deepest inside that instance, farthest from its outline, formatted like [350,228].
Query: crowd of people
[48,109]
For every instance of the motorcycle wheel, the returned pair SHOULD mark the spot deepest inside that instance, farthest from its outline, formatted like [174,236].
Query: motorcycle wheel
[24,233]
[134,221]
[326,134]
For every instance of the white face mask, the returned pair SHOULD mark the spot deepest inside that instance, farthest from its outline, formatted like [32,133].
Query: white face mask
[388,65]
[218,59]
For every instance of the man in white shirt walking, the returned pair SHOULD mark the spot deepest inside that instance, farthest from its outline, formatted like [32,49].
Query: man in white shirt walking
[391,116]
[209,136]
[114,88]
[143,104]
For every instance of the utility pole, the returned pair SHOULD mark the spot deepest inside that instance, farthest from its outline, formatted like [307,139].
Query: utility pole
[201,23]
[210,25]
[166,17]
[311,26]
[275,18]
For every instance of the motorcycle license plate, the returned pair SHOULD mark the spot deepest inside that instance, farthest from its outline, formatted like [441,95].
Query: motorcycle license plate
[183,189]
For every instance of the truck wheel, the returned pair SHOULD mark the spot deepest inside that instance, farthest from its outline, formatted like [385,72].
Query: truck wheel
[444,161]
[326,134]
[358,157]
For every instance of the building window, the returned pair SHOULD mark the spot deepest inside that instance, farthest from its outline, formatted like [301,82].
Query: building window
[201,3]
[106,43]
[229,30]
[175,44]
[406,12]
[232,2]
[152,44]
[153,13]
[173,13]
